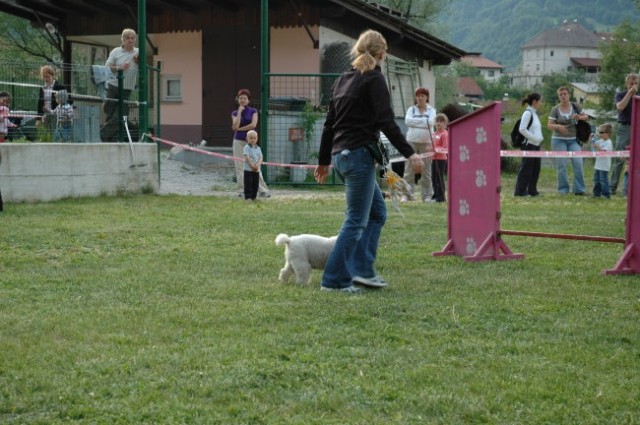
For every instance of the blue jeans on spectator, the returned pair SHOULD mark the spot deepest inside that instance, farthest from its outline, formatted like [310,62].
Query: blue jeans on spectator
[623,138]
[568,145]
[601,184]
[63,132]
[356,247]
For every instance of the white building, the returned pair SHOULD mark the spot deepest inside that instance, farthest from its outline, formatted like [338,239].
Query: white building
[559,50]
[489,70]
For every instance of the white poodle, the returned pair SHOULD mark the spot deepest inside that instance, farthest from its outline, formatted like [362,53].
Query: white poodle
[303,253]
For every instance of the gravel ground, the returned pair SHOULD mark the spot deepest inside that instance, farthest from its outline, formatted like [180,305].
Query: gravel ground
[179,178]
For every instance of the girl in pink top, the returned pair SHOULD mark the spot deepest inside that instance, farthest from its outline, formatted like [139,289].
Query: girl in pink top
[439,163]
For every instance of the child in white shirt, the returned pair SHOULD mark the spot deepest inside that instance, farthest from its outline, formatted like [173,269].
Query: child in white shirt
[603,163]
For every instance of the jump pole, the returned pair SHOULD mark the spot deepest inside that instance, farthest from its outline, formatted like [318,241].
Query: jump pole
[629,261]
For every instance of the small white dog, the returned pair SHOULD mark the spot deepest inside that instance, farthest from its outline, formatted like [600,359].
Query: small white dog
[303,253]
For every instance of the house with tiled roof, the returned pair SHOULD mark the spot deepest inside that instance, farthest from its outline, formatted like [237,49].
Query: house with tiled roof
[489,70]
[567,48]
[210,48]
[469,90]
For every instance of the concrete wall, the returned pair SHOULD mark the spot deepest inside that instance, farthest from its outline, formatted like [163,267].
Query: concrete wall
[34,172]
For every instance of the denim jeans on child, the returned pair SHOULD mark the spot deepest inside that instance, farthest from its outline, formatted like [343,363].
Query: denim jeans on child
[570,145]
[356,247]
[601,184]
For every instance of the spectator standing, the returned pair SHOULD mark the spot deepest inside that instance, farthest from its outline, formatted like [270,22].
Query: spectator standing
[47,99]
[125,59]
[562,121]
[531,129]
[623,129]
[603,163]
[252,162]
[439,163]
[5,123]
[244,119]
[420,119]
[64,118]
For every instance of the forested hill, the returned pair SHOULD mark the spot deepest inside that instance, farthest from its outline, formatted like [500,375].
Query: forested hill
[498,28]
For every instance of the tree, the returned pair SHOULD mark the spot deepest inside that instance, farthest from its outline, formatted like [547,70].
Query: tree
[22,41]
[420,13]
[620,56]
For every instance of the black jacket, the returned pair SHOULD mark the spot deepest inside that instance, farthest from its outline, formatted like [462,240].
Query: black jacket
[56,86]
[360,108]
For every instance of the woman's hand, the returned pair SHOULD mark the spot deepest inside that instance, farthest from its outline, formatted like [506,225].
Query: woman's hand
[321,172]
[416,163]
[561,129]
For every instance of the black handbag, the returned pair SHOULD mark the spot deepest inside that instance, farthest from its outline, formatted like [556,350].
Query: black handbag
[379,152]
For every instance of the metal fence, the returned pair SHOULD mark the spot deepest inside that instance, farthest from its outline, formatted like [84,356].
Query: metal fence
[87,97]
[296,114]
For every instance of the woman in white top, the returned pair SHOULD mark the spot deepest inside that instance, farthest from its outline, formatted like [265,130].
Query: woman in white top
[420,119]
[123,58]
[531,129]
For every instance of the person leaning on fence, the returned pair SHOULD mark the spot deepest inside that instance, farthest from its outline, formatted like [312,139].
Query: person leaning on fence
[359,109]
[125,59]
[531,129]
[5,123]
[623,129]
[244,119]
[64,118]
[47,98]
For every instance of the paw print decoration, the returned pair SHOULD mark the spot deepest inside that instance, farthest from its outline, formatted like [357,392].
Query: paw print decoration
[471,246]
[464,154]
[463,207]
[481,178]
[481,135]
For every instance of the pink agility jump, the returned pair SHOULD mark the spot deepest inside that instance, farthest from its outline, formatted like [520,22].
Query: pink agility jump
[473,220]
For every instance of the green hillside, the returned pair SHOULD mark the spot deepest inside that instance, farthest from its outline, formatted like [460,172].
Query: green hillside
[497,28]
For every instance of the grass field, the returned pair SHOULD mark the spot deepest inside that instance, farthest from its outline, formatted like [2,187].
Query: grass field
[167,310]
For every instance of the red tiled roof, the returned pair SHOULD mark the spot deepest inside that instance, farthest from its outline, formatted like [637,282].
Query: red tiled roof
[481,62]
[588,62]
[469,87]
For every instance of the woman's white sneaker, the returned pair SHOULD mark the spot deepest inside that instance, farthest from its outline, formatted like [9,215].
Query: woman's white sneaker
[371,282]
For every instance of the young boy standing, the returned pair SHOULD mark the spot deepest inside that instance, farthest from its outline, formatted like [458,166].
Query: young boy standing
[64,118]
[603,163]
[252,162]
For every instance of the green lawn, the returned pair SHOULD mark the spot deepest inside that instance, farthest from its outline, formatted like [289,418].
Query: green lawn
[167,310]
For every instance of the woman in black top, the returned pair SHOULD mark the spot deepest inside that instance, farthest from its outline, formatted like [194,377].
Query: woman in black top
[360,108]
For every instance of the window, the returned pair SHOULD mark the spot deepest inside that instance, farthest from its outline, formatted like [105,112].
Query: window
[172,88]
[491,73]
[551,53]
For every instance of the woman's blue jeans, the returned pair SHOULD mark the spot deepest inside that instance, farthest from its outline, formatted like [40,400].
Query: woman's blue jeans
[357,244]
[570,145]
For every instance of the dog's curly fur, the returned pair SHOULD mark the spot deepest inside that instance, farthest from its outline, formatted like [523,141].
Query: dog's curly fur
[302,253]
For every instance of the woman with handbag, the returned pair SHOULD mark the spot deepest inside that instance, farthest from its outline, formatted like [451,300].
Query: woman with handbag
[562,121]
[359,109]
[420,119]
